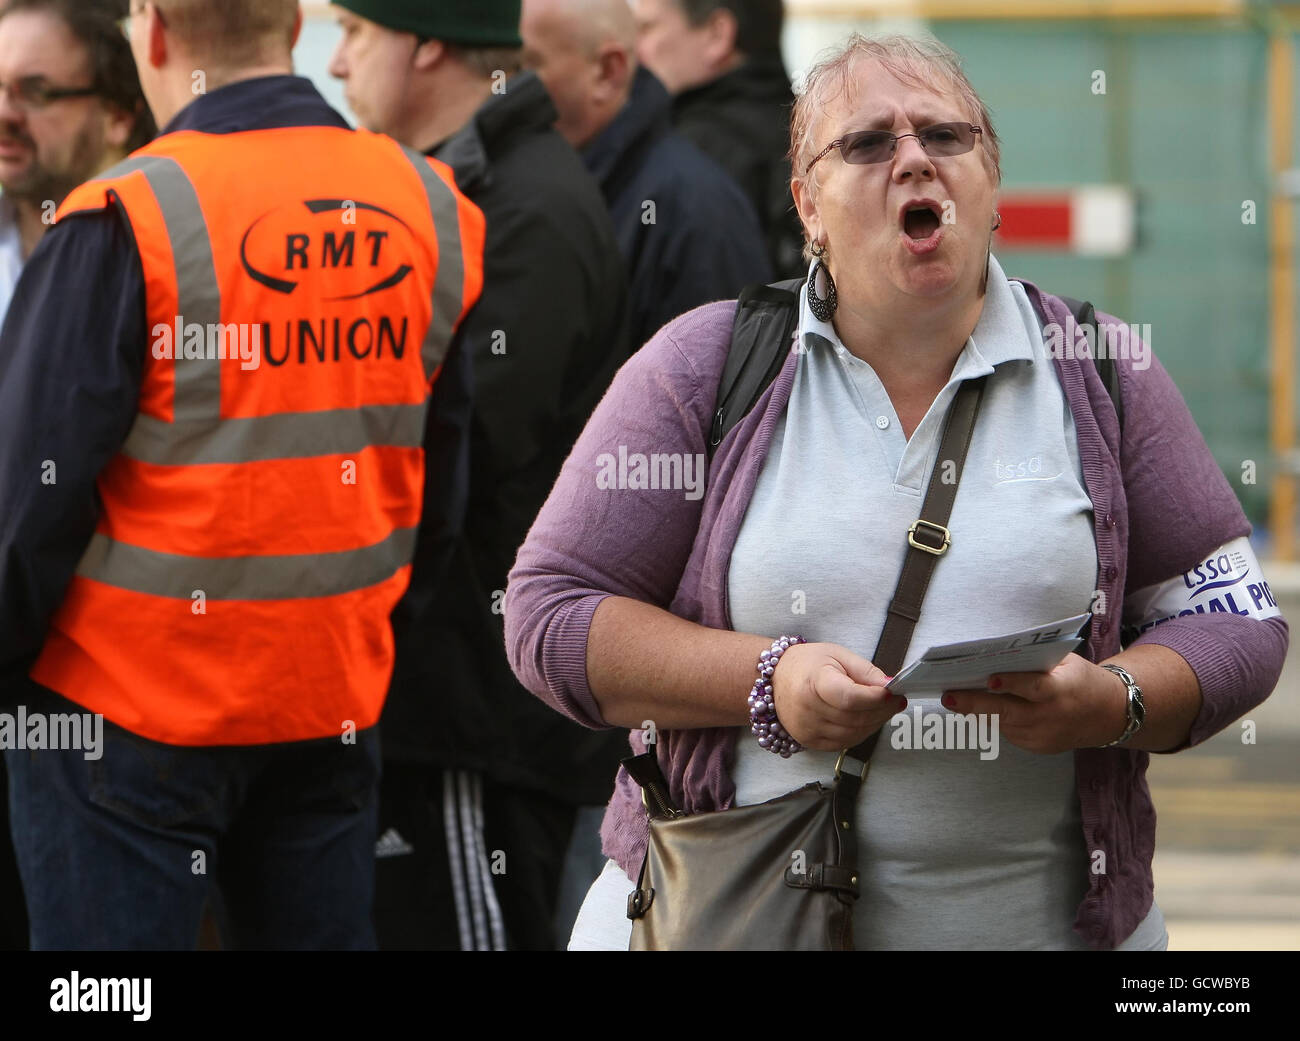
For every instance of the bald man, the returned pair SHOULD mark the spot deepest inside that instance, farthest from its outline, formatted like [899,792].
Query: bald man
[686,230]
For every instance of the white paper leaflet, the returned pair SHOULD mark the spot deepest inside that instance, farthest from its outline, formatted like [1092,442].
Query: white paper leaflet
[968,664]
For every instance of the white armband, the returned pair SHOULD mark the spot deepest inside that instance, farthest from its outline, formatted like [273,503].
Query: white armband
[1228,581]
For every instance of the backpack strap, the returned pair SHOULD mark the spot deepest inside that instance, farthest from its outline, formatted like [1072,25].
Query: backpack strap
[1085,316]
[761,335]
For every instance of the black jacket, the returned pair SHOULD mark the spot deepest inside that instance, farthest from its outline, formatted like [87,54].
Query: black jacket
[742,120]
[687,232]
[544,341]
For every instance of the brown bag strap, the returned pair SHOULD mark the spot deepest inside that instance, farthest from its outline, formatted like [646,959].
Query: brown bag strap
[928,540]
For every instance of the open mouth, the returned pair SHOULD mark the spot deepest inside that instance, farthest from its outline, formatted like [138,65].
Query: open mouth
[921,220]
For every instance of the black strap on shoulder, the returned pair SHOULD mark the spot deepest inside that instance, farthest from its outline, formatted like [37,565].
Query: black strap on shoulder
[764,327]
[928,539]
[761,335]
[1085,316]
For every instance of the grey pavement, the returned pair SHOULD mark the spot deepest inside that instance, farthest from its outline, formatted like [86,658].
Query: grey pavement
[1227,863]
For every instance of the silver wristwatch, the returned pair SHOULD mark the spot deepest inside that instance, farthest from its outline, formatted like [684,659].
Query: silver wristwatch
[1136,712]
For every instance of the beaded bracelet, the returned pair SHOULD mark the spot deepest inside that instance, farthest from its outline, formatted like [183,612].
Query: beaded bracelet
[762,708]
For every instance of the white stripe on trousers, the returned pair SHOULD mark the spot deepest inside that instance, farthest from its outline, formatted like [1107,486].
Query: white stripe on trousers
[478,915]
[495,919]
[454,860]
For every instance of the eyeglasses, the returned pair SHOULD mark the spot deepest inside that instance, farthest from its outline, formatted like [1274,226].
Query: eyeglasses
[876,146]
[32,93]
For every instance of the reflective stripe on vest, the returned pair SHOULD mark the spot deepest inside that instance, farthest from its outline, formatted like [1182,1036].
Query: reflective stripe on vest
[448,288]
[245,578]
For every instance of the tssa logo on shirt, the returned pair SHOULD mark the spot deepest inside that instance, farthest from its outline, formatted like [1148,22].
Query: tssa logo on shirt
[350,249]
[1228,581]
[1028,469]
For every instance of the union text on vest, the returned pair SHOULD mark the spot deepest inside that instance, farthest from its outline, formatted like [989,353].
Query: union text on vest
[306,340]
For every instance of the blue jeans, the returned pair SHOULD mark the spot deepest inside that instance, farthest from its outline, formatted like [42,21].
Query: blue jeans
[120,853]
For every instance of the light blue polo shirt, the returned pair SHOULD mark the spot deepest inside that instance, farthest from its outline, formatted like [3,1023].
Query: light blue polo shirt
[11,253]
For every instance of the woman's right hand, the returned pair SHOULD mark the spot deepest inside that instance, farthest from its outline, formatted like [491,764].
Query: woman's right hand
[829,698]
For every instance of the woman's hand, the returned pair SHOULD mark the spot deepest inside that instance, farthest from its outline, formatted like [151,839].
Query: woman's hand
[829,698]
[1076,705]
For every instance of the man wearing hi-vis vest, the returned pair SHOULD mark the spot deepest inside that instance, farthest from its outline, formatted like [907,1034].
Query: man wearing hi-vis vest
[214,385]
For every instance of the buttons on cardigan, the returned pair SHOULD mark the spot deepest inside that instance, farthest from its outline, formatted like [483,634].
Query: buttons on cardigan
[882,422]
[1111,572]
[1110,521]
[1094,785]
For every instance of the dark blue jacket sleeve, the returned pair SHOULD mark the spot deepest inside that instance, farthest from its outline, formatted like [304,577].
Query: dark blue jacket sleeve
[716,250]
[71,360]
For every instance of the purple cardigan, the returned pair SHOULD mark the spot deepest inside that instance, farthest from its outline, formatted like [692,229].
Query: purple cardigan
[1160,505]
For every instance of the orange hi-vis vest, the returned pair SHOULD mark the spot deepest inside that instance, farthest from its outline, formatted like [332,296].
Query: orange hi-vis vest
[302,286]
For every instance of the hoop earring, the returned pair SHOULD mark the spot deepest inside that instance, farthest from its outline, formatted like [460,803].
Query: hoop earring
[999,217]
[822,299]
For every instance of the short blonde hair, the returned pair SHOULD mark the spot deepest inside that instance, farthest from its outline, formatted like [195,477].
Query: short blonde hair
[232,32]
[917,62]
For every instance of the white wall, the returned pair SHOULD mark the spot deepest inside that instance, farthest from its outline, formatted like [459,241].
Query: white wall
[319,36]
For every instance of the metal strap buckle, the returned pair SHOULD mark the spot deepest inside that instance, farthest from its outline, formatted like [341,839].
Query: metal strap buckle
[668,812]
[840,762]
[944,534]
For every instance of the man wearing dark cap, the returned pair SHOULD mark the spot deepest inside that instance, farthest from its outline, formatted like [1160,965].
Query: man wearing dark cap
[481,780]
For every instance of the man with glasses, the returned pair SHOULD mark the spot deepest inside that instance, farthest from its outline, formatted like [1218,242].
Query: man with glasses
[70,106]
